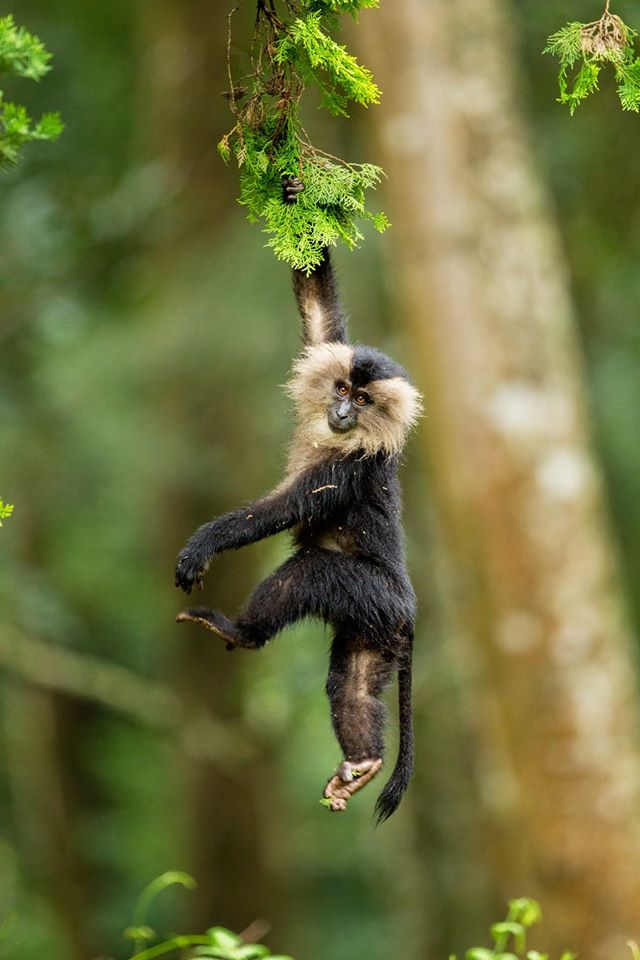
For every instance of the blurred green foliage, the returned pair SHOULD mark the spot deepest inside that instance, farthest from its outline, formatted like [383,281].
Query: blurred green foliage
[510,935]
[217,943]
[143,330]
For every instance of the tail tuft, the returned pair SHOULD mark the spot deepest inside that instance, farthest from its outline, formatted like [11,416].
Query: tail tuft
[389,800]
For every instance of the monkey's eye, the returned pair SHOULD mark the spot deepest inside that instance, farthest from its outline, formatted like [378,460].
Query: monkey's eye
[342,389]
[361,399]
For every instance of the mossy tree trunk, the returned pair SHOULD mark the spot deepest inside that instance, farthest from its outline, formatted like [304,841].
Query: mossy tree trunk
[483,289]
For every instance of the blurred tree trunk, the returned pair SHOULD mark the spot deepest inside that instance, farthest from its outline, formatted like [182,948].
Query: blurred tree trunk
[483,288]
[46,802]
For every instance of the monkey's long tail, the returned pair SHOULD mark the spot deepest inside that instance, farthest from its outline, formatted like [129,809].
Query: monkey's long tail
[389,800]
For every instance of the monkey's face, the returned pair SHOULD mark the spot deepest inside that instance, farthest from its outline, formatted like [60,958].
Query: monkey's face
[342,415]
[352,398]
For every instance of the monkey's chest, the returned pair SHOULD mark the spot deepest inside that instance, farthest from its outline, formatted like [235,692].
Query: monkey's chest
[336,537]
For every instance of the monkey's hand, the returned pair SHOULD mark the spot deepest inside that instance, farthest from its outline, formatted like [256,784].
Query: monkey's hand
[291,187]
[190,569]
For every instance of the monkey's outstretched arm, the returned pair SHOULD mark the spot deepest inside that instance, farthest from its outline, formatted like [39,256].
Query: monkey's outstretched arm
[312,495]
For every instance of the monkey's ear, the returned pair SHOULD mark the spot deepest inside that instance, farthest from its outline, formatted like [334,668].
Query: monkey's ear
[319,305]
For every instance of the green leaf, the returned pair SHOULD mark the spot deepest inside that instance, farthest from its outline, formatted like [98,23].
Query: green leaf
[180,942]
[525,911]
[585,83]
[224,148]
[252,951]
[566,43]
[352,7]
[628,80]
[583,49]
[24,55]
[221,937]
[151,891]
[139,934]
[341,78]
[506,927]
[49,127]
[501,932]
[21,53]
[479,953]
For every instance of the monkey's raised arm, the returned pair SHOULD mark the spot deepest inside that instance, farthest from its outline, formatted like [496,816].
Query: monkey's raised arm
[313,496]
[319,304]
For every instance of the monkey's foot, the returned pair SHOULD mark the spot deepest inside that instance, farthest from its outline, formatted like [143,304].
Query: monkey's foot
[350,778]
[214,621]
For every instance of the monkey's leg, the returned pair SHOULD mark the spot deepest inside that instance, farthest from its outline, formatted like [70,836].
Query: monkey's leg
[358,674]
[289,594]
[313,582]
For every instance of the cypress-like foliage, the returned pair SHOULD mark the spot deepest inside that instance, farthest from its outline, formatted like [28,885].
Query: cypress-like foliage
[584,48]
[23,55]
[292,50]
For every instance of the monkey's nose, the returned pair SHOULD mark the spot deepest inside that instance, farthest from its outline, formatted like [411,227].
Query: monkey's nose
[341,418]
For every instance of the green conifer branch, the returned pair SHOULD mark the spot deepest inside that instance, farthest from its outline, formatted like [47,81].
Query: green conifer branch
[292,50]
[23,55]
[583,49]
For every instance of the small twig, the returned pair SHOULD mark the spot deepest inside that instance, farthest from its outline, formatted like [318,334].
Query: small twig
[232,95]
[256,930]
[327,486]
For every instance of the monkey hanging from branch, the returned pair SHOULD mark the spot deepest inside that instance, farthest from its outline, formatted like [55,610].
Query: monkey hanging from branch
[341,498]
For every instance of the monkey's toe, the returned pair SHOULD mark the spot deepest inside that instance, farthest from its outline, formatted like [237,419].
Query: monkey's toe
[350,778]
[212,620]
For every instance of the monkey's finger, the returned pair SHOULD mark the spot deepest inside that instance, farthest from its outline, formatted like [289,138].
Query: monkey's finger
[183,584]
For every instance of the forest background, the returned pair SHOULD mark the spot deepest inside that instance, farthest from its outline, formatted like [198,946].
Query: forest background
[144,329]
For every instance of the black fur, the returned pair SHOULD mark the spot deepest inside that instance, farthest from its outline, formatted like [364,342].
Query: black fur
[370,364]
[320,288]
[348,569]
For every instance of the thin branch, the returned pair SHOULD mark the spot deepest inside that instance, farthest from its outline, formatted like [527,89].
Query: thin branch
[116,688]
